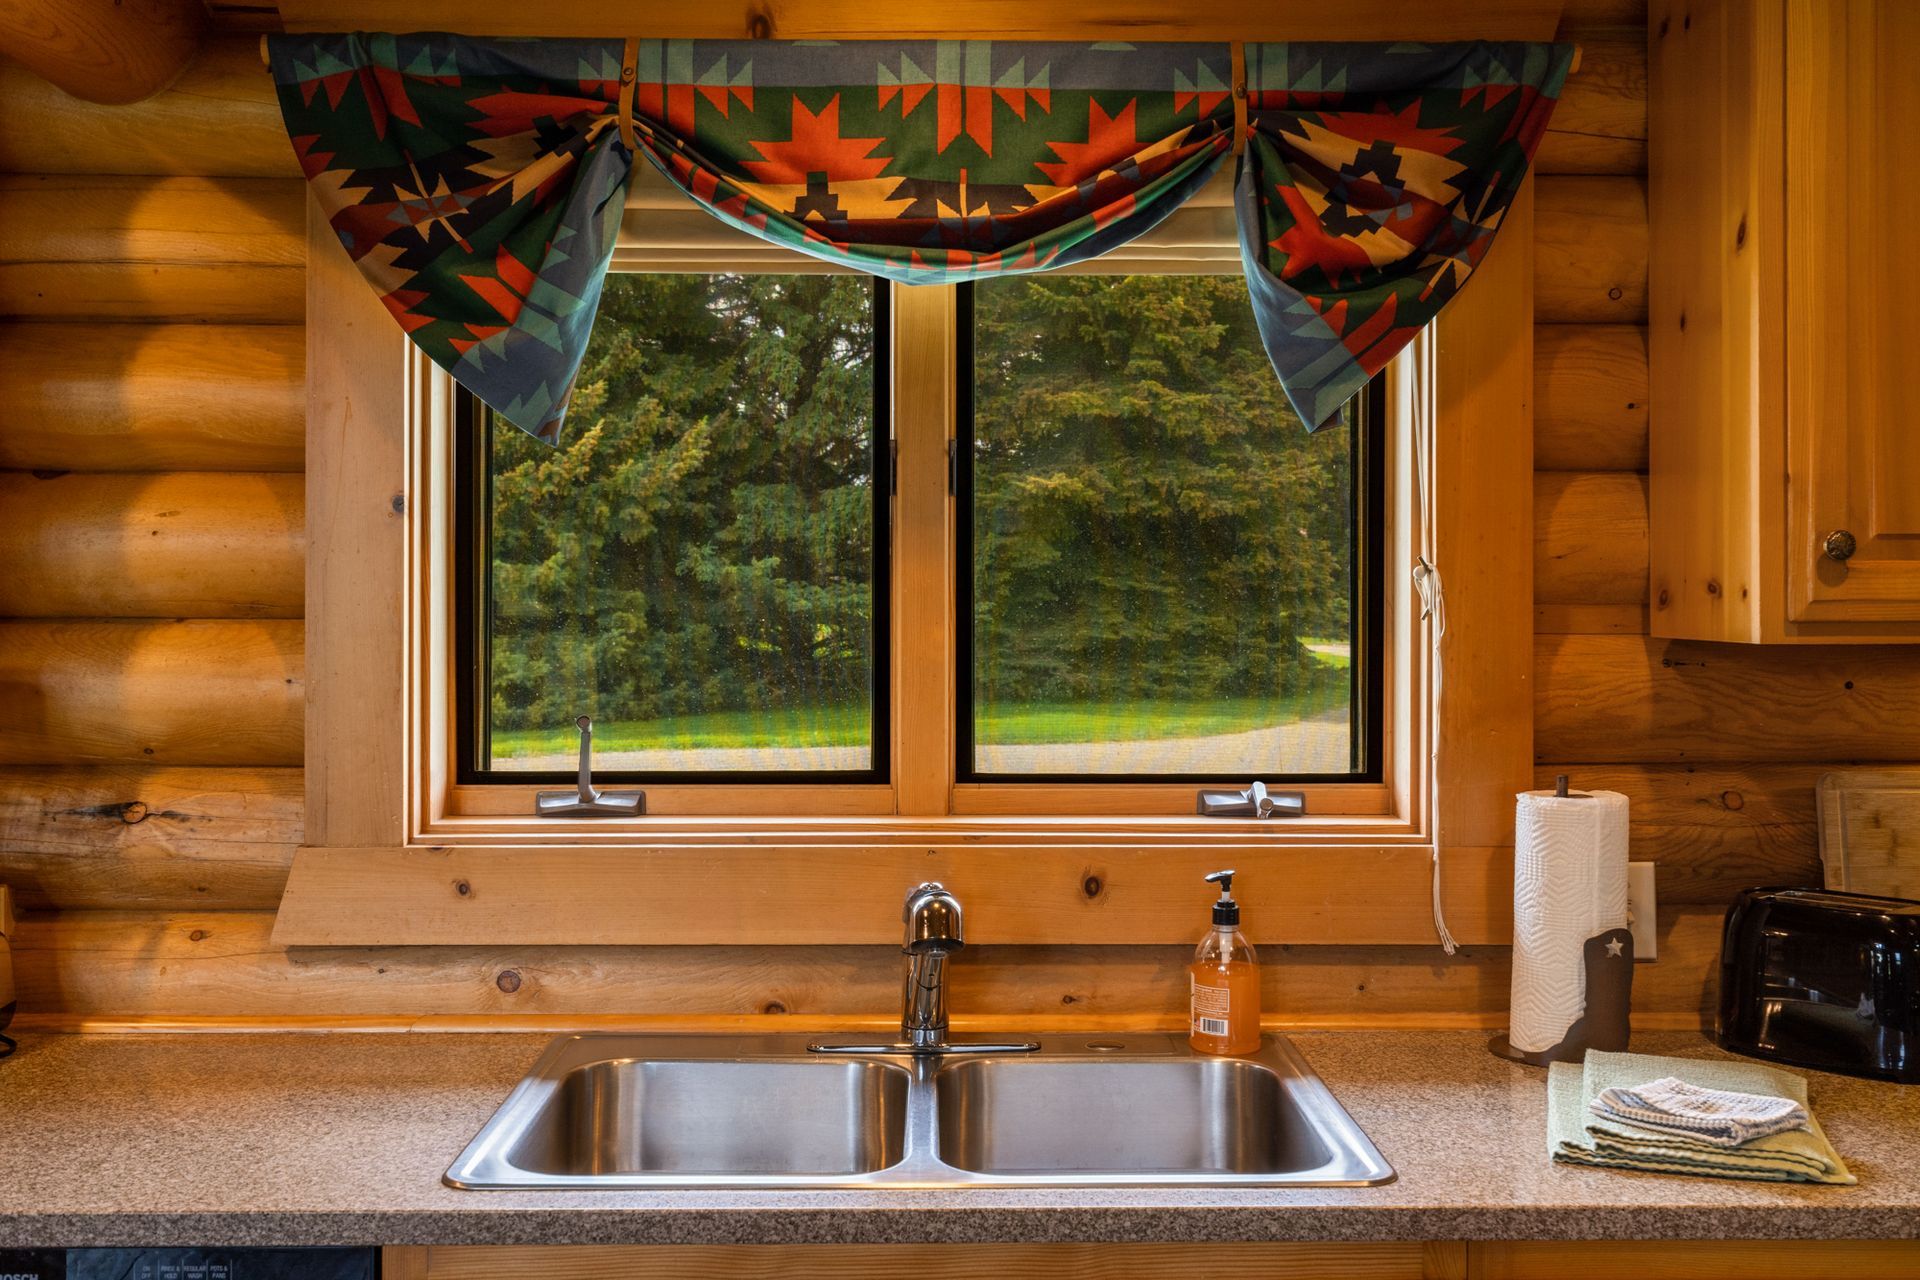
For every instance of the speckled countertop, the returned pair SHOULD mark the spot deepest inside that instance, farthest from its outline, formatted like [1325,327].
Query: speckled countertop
[341,1139]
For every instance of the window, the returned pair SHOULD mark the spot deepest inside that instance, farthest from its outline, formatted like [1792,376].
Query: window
[1162,574]
[1157,575]
[701,565]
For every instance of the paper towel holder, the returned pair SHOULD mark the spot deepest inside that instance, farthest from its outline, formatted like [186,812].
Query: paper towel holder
[1604,1024]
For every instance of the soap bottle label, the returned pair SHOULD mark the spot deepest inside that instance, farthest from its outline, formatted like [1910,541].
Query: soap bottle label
[1211,1007]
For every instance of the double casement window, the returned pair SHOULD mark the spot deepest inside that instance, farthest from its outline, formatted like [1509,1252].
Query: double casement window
[1152,576]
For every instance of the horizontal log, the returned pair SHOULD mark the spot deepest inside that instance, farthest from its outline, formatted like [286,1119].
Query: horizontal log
[1577,17]
[1590,250]
[214,964]
[1600,122]
[1636,700]
[153,397]
[115,248]
[218,120]
[148,838]
[172,545]
[969,20]
[1713,829]
[135,398]
[1589,537]
[103,50]
[1590,397]
[175,693]
[1590,619]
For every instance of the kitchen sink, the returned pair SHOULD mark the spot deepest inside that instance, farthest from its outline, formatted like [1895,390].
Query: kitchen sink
[637,1111]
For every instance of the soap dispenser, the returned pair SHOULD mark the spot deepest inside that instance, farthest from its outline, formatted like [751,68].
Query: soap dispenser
[1224,982]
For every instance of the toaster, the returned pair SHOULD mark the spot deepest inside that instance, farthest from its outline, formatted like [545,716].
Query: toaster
[1824,980]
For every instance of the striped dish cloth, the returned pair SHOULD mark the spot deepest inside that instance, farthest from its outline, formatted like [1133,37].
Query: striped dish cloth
[1718,1116]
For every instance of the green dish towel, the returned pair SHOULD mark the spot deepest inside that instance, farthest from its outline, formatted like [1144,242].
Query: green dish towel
[1577,1136]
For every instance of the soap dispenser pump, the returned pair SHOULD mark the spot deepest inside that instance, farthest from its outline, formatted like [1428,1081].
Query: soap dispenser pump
[1224,981]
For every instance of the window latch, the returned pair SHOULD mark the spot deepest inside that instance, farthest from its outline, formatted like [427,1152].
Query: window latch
[588,800]
[1255,802]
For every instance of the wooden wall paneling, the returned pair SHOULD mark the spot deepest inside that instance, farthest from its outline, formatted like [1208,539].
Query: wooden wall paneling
[152,397]
[104,50]
[193,545]
[175,693]
[640,889]
[357,389]
[1626,699]
[1590,397]
[110,248]
[1589,537]
[1600,122]
[1281,1260]
[972,19]
[75,967]
[1590,237]
[148,837]
[218,120]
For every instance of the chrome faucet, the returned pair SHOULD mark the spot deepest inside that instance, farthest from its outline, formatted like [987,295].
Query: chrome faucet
[934,932]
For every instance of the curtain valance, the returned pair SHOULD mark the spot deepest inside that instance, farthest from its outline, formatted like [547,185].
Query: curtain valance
[479,184]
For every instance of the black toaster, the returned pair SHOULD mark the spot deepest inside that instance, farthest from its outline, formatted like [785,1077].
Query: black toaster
[1824,980]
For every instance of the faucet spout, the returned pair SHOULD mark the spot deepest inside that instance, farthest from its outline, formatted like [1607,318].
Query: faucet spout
[934,932]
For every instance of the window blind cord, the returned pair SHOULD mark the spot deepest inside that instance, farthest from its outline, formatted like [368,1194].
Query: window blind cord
[1433,610]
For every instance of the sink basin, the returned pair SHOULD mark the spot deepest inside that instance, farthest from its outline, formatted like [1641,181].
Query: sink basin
[633,1111]
[1123,1116]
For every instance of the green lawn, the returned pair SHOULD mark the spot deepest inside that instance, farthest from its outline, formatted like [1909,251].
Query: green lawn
[847,726]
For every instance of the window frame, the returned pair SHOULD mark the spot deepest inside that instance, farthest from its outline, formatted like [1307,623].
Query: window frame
[399,853]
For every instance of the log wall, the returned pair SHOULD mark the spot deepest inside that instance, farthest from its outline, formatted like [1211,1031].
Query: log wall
[151,523]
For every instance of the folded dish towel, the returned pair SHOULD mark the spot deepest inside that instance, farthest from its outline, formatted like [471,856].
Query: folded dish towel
[1577,1136]
[1721,1117]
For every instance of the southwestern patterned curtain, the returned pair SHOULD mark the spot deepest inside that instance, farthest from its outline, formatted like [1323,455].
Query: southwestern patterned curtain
[1373,182]
[479,183]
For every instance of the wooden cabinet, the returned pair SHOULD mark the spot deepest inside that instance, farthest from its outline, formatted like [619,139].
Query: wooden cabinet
[1784,158]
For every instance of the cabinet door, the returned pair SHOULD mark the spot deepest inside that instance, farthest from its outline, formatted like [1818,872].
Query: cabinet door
[1853,317]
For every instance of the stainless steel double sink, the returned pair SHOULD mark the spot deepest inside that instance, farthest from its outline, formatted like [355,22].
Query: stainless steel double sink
[638,1111]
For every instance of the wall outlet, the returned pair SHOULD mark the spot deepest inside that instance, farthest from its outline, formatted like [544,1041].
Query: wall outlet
[1642,911]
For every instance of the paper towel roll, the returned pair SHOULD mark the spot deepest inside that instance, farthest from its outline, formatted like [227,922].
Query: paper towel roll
[1569,883]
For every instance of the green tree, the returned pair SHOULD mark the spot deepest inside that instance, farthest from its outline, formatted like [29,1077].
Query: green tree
[1151,519]
[703,540]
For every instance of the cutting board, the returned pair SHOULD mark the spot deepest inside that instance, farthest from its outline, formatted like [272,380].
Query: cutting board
[1870,831]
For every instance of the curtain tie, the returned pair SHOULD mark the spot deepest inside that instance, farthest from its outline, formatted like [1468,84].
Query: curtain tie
[1239,97]
[629,60]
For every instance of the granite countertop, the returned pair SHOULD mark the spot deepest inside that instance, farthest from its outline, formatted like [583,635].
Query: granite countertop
[341,1139]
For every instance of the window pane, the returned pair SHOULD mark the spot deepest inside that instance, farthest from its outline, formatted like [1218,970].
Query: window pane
[1162,558]
[695,566]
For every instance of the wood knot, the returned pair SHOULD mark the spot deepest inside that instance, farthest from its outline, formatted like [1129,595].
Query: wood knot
[1616,293]
[132,812]
[1849,684]
[759,25]
[198,935]
[462,888]
[1069,999]
[773,1006]
[508,981]
[1713,588]
[1732,800]
[1683,322]
[1740,235]
[1092,886]
[399,504]
[1662,598]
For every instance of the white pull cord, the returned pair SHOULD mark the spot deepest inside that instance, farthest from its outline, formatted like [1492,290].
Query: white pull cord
[1433,609]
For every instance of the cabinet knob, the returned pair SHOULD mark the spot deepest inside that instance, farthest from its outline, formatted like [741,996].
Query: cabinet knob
[1839,545]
